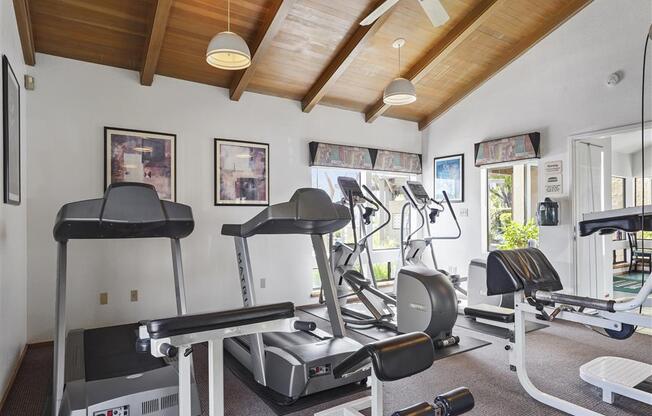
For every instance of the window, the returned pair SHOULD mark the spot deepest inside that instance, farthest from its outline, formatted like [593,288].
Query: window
[512,195]
[385,244]
[618,200]
[643,188]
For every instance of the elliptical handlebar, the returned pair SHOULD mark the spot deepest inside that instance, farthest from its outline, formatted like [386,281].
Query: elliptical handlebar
[376,202]
[412,202]
[457,224]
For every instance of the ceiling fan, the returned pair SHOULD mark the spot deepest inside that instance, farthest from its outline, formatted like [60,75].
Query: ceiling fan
[433,9]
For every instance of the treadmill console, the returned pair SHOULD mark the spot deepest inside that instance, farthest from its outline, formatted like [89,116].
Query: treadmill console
[418,191]
[350,186]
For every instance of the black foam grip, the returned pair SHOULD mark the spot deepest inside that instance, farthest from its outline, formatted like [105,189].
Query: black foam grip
[456,402]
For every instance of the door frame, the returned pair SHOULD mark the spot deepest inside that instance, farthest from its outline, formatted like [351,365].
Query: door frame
[594,134]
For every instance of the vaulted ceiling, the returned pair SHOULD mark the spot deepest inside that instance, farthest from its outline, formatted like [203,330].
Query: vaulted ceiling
[313,51]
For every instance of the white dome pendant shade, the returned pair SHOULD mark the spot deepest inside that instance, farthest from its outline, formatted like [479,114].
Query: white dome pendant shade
[400,91]
[227,50]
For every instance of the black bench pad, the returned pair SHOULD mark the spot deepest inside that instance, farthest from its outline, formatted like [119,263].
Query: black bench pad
[187,324]
[489,312]
[526,269]
[392,358]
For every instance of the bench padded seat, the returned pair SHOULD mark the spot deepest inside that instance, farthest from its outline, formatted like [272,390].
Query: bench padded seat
[187,324]
[490,312]
[528,269]
[392,358]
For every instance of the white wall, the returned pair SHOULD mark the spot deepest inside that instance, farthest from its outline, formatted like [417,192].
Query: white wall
[72,103]
[557,88]
[13,275]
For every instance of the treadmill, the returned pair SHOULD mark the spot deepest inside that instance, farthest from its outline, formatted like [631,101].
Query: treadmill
[97,372]
[292,365]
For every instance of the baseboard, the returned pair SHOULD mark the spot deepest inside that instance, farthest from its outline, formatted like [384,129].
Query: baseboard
[12,377]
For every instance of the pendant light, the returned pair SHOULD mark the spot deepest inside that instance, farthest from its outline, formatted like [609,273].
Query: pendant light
[400,91]
[227,50]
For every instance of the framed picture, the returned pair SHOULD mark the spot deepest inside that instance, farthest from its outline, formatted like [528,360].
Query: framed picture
[141,156]
[10,133]
[241,173]
[449,177]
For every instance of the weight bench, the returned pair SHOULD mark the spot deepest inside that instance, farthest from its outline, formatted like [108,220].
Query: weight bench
[172,337]
[531,277]
[393,359]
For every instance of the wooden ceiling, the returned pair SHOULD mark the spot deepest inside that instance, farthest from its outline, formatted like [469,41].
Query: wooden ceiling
[313,51]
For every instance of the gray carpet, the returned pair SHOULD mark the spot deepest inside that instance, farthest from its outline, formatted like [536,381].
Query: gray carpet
[556,355]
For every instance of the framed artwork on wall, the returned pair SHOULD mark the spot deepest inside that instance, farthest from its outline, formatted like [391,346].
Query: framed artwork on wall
[241,173]
[449,177]
[10,134]
[141,156]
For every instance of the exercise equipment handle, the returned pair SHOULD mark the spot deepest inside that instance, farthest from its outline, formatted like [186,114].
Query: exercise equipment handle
[376,202]
[457,224]
[580,301]
[416,206]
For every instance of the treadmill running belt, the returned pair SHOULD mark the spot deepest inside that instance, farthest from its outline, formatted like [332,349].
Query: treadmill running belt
[111,352]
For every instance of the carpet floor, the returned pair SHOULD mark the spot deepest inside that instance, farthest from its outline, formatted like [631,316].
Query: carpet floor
[554,357]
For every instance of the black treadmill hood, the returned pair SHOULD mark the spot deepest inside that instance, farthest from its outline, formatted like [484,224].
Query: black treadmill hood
[128,210]
[309,211]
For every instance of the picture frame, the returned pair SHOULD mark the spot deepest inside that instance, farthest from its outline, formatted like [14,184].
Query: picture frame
[11,131]
[241,173]
[448,172]
[141,156]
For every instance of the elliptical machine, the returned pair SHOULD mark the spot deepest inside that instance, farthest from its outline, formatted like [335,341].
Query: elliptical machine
[376,307]
[425,300]
[430,294]
[413,249]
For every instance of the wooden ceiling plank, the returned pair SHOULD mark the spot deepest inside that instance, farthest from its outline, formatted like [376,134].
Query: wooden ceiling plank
[345,56]
[569,10]
[462,31]
[24,21]
[155,41]
[270,27]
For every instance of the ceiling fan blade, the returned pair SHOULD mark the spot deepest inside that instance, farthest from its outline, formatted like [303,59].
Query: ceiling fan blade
[435,11]
[380,10]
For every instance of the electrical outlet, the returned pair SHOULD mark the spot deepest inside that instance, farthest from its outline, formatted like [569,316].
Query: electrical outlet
[134,295]
[104,298]
[262,283]
[464,212]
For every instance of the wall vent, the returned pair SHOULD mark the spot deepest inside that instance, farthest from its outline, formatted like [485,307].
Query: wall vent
[149,406]
[169,401]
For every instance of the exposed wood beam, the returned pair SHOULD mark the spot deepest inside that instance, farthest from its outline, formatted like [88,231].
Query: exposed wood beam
[155,41]
[24,21]
[565,13]
[268,30]
[345,56]
[441,51]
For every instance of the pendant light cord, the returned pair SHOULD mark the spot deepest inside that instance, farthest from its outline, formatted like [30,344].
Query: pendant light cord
[228,15]
[399,61]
